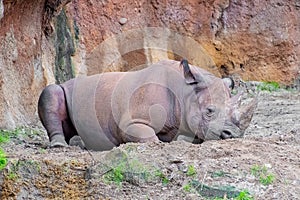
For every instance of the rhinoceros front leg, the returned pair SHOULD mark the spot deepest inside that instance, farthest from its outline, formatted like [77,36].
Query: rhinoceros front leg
[54,116]
[140,133]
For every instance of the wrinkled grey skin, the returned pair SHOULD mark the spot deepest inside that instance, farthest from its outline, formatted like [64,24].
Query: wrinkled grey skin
[160,102]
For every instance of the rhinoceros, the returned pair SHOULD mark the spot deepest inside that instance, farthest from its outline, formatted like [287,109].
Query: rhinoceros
[158,103]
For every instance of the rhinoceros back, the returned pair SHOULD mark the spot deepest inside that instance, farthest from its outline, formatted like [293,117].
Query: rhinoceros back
[80,96]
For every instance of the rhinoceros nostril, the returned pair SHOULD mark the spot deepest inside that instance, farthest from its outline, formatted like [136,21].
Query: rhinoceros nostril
[225,134]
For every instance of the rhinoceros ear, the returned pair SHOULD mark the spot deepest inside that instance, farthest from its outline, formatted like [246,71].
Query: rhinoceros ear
[188,75]
[228,82]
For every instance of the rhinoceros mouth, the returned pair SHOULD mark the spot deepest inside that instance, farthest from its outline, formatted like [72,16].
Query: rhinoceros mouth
[226,132]
[208,134]
[212,135]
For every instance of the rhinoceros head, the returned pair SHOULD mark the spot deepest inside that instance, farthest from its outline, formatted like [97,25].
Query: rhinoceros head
[211,111]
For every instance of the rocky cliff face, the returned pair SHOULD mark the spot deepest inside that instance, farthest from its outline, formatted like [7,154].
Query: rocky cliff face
[22,70]
[47,41]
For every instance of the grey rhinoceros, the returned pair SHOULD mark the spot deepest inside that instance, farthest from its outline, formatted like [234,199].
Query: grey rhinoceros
[160,102]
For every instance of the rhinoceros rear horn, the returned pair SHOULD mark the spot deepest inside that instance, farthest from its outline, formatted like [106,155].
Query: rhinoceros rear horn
[237,100]
[188,75]
[242,116]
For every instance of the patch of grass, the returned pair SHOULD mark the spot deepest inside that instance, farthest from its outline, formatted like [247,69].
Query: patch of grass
[219,174]
[243,195]
[256,170]
[266,179]
[127,170]
[218,192]
[42,151]
[3,137]
[23,168]
[191,170]
[213,192]
[6,135]
[261,172]
[270,86]
[163,177]
[12,171]
[12,175]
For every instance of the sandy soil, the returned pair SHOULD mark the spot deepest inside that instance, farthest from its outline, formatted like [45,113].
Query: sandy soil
[176,170]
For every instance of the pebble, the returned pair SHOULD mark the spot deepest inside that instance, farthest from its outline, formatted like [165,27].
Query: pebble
[123,21]
[269,166]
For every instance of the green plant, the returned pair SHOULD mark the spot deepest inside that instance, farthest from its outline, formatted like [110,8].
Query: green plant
[255,170]
[187,187]
[163,177]
[5,135]
[42,151]
[266,179]
[3,159]
[12,175]
[268,86]
[117,174]
[244,195]
[3,138]
[191,170]
[261,172]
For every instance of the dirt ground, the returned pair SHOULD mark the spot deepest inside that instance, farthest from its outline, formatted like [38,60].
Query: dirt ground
[265,163]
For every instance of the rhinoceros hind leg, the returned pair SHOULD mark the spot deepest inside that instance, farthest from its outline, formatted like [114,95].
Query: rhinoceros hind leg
[53,113]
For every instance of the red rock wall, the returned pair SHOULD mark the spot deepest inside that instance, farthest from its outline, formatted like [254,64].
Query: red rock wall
[21,73]
[256,40]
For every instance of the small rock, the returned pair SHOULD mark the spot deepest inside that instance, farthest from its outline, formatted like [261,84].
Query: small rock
[183,167]
[269,166]
[141,148]
[218,45]
[123,21]
[175,160]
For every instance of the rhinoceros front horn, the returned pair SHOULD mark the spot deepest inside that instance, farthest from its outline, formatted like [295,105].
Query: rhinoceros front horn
[242,115]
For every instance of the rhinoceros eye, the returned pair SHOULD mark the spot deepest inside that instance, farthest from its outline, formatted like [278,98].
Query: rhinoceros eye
[199,88]
[210,110]
[210,113]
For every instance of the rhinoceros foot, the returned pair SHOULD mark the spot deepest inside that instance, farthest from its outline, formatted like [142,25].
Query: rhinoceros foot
[58,141]
[77,141]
